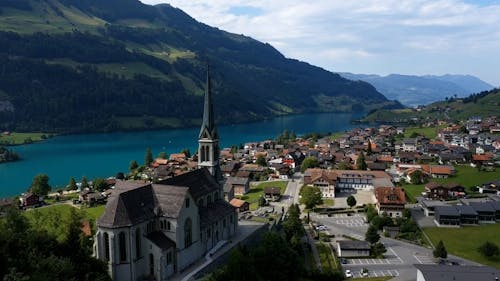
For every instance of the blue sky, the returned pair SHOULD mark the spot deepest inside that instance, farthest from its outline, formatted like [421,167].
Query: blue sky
[368,36]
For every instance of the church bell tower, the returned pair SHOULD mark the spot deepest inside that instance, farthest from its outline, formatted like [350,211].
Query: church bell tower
[208,140]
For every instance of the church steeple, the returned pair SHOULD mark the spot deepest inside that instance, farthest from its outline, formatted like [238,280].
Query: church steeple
[208,140]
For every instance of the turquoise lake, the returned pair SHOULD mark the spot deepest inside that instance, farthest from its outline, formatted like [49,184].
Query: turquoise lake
[103,155]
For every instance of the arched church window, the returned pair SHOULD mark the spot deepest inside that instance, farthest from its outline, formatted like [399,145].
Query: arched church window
[123,246]
[138,249]
[188,233]
[106,246]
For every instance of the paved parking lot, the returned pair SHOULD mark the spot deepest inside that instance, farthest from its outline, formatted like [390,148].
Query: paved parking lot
[377,273]
[424,259]
[390,258]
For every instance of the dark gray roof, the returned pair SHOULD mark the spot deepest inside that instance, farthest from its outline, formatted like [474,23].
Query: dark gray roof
[432,272]
[161,240]
[199,182]
[466,210]
[237,180]
[446,211]
[495,205]
[132,203]
[482,207]
[353,245]
[218,209]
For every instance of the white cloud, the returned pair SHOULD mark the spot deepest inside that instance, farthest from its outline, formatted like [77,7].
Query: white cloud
[379,36]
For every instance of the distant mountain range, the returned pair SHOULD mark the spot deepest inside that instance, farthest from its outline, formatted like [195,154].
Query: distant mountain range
[104,65]
[413,90]
[483,104]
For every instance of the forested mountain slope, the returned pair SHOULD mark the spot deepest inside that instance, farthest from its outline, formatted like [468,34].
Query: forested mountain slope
[103,65]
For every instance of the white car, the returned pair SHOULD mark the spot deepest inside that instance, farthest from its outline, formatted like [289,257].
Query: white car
[348,273]
[321,227]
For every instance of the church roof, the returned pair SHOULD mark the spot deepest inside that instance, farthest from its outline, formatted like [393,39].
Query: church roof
[199,182]
[208,129]
[134,202]
[219,208]
[161,240]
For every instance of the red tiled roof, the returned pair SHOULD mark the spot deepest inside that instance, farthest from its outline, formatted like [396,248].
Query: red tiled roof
[481,157]
[390,195]
[237,203]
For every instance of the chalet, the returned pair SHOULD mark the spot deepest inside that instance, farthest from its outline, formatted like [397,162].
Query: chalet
[29,200]
[438,171]
[323,179]
[348,248]
[482,159]
[434,190]
[390,200]
[240,185]
[272,193]
[240,205]
[409,145]
[180,157]
[228,191]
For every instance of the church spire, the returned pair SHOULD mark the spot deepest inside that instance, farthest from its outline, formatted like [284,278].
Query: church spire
[208,110]
[208,140]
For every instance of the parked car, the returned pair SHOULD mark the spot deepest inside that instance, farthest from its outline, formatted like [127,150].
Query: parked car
[364,272]
[343,261]
[321,227]
[348,273]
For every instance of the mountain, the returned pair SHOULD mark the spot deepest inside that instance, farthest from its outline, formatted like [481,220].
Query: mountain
[418,90]
[483,104]
[103,65]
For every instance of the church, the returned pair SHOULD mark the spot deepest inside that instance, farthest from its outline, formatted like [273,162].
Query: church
[151,231]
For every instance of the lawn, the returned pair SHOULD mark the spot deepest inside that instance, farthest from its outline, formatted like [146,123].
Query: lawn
[93,213]
[328,202]
[429,132]
[326,257]
[464,241]
[256,191]
[464,175]
[22,138]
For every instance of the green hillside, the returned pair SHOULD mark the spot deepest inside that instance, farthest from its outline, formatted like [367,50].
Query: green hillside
[87,65]
[483,104]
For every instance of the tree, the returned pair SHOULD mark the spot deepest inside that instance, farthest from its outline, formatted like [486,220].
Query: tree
[360,163]
[234,149]
[100,184]
[187,152]
[351,201]
[372,235]
[344,165]
[416,177]
[440,251]
[262,201]
[309,162]
[133,165]
[162,155]
[261,161]
[84,184]
[148,158]
[40,185]
[72,184]
[311,196]
[489,249]
[293,225]
[377,249]
[370,212]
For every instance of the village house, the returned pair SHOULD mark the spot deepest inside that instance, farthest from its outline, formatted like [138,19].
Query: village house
[390,201]
[240,185]
[439,191]
[240,205]
[272,193]
[29,200]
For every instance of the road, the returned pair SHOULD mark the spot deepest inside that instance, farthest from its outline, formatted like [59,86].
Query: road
[399,258]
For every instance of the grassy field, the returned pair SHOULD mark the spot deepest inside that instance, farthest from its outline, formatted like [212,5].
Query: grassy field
[464,175]
[256,191]
[326,257]
[429,132]
[22,138]
[464,241]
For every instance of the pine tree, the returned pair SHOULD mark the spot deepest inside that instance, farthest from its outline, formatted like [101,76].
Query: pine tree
[440,251]
[148,158]
[372,235]
[72,184]
[360,163]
